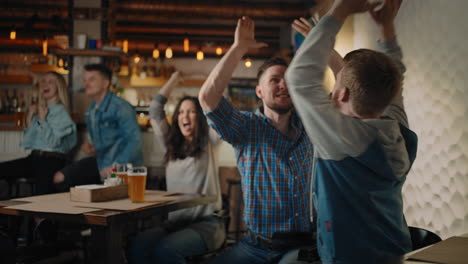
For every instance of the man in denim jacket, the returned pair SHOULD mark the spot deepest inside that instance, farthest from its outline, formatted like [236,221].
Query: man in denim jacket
[112,127]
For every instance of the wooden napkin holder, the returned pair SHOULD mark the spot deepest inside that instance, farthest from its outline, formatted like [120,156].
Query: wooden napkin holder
[99,194]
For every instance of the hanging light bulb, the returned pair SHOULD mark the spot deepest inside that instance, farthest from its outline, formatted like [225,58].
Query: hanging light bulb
[200,54]
[169,51]
[60,63]
[137,58]
[13,33]
[219,50]
[248,63]
[44,46]
[125,46]
[186,45]
[156,51]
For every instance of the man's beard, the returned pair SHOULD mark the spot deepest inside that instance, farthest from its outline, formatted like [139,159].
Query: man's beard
[280,110]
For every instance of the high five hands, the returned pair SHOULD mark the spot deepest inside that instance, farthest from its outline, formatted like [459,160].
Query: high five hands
[244,37]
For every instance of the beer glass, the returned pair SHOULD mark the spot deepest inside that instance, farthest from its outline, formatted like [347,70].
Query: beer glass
[121,172]
[137,183]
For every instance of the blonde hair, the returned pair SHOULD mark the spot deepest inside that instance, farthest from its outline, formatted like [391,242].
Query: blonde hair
[62,91]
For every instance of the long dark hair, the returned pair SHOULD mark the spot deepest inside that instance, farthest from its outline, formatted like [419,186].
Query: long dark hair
[177,146]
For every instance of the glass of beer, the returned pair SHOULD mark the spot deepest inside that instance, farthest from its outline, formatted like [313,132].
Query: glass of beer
[137,184]
[121,172]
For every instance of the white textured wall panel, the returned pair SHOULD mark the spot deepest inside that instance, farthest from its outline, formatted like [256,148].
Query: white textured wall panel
[433,34]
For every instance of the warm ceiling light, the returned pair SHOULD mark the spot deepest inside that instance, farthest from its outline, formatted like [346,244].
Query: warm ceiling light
[219,50]
[200,55]
[186,45]
[248,63]
[169,52]
[125,46]
[44,46]
[155,53]
[13,33]
[60,63]
[137,58]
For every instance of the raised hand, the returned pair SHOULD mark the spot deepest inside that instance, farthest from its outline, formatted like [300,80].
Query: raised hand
[386,15]
[341,9]
[42,110]
[244,36]
[303,26]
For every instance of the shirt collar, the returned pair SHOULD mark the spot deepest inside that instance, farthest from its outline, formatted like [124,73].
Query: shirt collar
[294,121]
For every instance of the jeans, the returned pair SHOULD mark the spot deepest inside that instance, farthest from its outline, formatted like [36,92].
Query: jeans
[160,246]
[249,250]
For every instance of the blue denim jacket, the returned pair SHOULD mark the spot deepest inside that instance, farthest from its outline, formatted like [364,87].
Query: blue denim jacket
[114,132]
[56,133]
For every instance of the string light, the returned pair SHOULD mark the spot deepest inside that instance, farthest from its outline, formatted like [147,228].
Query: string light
[248,63]
[156,51]
[13,33]
[169,53]
[186,45]
[200,55]
[219,50]
[125,46]
[44,46]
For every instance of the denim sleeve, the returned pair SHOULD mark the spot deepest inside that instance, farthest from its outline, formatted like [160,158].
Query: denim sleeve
[228,122]
[58,130]
[130,133]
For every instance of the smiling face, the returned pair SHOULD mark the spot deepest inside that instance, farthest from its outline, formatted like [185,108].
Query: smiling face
[48,87]
[94,84]
[187,119]
[273,91]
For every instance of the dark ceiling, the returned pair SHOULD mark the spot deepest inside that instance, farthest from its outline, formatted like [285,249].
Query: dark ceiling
[207,23]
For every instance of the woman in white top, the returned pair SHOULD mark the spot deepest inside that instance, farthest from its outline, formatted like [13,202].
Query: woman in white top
[191,167]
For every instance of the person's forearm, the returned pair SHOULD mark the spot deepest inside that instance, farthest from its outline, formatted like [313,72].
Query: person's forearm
[214,86]
[387,32]
[168,86]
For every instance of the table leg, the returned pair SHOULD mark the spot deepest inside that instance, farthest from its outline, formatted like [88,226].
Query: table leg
[13,228]
[107,244]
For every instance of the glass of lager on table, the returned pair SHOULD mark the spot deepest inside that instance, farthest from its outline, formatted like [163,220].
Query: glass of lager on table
[137,183]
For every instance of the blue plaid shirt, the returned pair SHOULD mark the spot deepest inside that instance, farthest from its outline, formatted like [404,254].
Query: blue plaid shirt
[275,169]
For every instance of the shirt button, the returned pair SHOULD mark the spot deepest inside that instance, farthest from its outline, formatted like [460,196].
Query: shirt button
[290,158]
[295,195]
[295,178]
[297,214]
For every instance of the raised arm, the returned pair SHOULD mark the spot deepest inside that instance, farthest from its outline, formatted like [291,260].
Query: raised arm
[335,60]
[214,86]
[156,110]
[384,18]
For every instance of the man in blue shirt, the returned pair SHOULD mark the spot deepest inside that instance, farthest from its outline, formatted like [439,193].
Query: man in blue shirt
[112,127]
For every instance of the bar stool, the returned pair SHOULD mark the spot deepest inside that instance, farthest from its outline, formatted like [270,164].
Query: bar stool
[16,185]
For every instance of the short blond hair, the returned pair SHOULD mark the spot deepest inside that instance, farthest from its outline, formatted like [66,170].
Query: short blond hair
[373,80]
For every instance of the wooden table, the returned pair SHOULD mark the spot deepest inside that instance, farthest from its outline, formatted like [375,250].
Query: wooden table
[408,255]
[107,225]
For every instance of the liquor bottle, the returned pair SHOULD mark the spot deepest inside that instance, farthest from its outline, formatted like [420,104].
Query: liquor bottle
[14,102]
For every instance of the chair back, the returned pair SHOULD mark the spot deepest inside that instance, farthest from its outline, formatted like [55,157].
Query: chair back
[422,238]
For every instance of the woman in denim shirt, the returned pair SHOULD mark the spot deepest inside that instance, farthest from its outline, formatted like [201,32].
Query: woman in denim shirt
[50,134]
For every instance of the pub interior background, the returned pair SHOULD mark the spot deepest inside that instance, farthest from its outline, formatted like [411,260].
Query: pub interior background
[431,33]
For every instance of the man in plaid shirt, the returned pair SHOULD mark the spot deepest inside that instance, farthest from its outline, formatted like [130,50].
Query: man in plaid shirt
[274,154]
